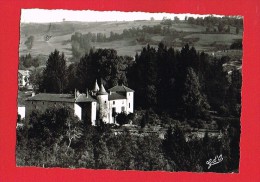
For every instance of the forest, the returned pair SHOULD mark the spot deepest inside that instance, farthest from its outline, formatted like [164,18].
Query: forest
[172,88]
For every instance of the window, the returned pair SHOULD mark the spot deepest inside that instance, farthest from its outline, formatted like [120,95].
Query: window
[114,102]
[123,109]
[129,94]
[105,102]
[32,102]
[129,105]
[122,102]
[34,106]
[42,103]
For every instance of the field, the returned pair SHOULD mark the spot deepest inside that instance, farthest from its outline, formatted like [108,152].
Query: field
[61,36]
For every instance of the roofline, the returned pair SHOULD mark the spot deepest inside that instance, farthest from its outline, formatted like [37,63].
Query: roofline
[123,87]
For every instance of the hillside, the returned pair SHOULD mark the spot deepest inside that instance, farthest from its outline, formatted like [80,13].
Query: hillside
[60,37]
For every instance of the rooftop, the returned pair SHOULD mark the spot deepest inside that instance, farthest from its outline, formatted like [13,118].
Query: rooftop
[84,98]
[102,90]
[115,96]
[120,88]
[61,98]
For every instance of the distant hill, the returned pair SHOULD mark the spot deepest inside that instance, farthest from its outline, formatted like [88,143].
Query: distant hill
[50,36]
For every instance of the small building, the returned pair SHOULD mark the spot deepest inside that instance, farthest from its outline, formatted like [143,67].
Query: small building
[92,106]
[23,78]
[21,111]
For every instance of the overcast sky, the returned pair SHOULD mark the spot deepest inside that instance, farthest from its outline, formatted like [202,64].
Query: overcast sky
[44,16]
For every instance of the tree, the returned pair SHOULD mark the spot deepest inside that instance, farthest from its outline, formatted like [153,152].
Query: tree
[121,118]
[237,30]
[54,75]
[237,45]
[194,103]
[73,132]
[175,148]
[72,77]
[36,80]
[146,78]
[176,19]
[29,42]
[80,44]
[220,27]
[216,83]
[233,98]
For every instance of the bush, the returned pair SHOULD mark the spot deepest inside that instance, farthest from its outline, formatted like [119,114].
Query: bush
[122,118]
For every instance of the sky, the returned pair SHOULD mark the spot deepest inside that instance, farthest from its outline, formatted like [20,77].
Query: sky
[45,16]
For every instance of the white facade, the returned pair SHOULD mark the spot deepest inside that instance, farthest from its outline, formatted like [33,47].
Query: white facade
[117,106]
[130,102]
[93,113]
[21,111]
[91,106]
[77,111]
[119,99]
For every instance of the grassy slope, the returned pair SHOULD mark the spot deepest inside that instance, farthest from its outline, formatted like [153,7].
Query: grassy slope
[62,32]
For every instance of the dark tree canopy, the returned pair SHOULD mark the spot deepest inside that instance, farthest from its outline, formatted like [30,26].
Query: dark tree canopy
[54,75]
[194,103]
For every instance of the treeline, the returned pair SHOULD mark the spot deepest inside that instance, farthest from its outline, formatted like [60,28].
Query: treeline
[213,20]
[222,24]
[212,23]
[82,43]
[103,64]
[26,61]
[237,45]
[56,138]
[183,83]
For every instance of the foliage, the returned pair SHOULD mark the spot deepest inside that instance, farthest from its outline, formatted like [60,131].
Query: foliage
[80,44]
[102,64]
[193,102]
[210,21]
[35,79]
[236,45]
[29,42]
[54,75]
[27,61]
[121,118]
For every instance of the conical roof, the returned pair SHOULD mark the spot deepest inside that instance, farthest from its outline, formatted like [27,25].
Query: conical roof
[102,90]
[96,87]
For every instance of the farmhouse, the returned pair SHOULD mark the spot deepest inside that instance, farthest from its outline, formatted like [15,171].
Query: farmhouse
[90,106]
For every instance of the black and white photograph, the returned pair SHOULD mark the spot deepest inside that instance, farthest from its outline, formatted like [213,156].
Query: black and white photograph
[129,91]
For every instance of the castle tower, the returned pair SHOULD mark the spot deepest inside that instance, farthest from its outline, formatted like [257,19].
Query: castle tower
[102,98]
[95,89]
